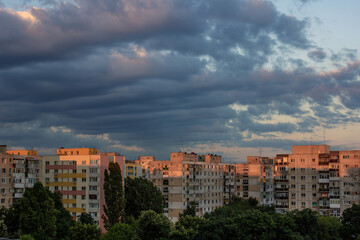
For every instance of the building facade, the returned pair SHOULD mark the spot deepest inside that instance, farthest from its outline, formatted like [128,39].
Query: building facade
[185,178]
[20,169]
[78,174]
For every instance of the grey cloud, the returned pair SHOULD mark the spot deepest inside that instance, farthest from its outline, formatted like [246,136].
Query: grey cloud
[317,55]
[161,75]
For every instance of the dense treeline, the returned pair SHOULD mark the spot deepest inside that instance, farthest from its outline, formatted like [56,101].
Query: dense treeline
[41,215]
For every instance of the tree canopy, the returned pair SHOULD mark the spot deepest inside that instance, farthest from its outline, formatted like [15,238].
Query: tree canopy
[114,195]
[142,195]
[38,213]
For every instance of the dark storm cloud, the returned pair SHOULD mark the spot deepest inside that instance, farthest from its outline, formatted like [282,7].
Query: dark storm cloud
[154,74]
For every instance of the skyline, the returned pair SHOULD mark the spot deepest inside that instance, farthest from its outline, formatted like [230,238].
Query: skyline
[154,77]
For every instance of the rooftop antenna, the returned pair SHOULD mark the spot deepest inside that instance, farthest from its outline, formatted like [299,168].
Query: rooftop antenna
[260,152]
[182,145]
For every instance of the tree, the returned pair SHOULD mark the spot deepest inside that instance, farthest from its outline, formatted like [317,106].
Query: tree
[86,218]
[142,195]
[26,237]
[121,231]
[37,216]
[306,222]
[85,232]
[11,219]
[114,195]
[187,228]
[190,209]
[152,225]
[351,222]
[329,228]
[64,220]
[3,229]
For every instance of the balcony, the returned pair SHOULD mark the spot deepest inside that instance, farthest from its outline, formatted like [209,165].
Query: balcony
[323,180]
[281,206]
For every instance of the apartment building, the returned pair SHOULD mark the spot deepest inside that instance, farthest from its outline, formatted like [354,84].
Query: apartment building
[20,169]
[78,174]
[132,169]
[315,177]
[255,179]
[187,177]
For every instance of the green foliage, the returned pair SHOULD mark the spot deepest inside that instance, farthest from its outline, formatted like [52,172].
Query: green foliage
[11,219]
[114,195]
[121,231]
[306,222]
[351,222]
[26,237]
[142,195]
[152,225]
[3,229]
[86,218]
[190,209]
[186,228]
[329,228]
[64,220]
[85,232]
[38,213]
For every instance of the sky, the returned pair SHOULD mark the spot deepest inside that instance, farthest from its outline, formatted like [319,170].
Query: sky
[150,77]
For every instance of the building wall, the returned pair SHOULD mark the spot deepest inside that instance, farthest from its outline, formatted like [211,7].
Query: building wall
[18,172]
[80,179]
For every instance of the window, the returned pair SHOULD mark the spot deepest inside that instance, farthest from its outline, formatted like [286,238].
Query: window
[47,163]
[83,179]
[313,160]
[93,179]
[74,196]
[302,177]
[293,177]
[313,177]
[83,188]
[303,195]
[302,160]
[3,180]
[3,170]
[345,156]
[83,163]
[293,203]
[302,187]
[47,171]
[313,186]
[303,203]
[314,204]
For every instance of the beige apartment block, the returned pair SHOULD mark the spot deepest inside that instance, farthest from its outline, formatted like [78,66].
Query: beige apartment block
[132,169]
[315,177]
[255,179]
[187,177]
[20,169]
[78,174]
[349,171]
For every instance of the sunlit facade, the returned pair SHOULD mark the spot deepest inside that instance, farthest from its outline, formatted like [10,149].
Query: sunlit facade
[78,174]
[315,177]
[20,169]
[187,177]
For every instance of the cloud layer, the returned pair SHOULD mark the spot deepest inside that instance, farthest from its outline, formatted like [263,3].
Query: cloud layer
[146,77]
